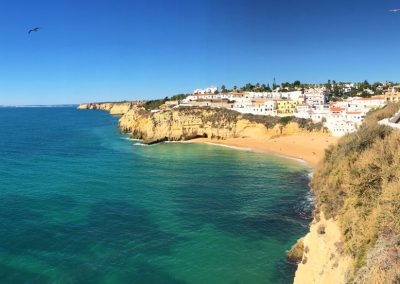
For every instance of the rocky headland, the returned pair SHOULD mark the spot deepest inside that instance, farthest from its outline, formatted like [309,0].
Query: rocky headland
[182,124]
[219,124]
[118,108]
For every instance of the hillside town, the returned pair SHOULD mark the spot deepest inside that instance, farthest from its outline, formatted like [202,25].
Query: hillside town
[340,108]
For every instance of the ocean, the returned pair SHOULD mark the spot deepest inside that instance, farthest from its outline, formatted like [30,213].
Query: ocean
[82,203]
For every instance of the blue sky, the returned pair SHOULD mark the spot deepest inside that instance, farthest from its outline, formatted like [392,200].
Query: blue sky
[140,49]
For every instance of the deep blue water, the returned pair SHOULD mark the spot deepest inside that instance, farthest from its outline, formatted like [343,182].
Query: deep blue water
[81,203]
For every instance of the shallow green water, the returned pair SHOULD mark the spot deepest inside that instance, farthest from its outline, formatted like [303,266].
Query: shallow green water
[80,203]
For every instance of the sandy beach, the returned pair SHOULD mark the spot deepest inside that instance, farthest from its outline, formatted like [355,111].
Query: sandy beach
[310,148]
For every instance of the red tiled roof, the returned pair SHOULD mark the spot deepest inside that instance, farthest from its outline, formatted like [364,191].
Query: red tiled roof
[370,99]
[337,109]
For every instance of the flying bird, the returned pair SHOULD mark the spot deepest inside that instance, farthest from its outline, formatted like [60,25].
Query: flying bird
[33,30]
[394,10]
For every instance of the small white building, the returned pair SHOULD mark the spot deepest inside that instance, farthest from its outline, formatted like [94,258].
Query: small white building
[355,116]
[341,128]
[209,90]
[366,103]
[303,111]
[315,97]
[295,96]
[255,106]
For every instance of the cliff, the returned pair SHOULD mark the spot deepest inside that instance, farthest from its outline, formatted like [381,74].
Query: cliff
[117,108]
[355,235]
[188,123]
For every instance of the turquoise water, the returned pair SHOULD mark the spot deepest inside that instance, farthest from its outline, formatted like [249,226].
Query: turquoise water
[80,203]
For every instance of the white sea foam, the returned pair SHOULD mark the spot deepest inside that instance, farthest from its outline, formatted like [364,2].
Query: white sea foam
[227,146]
[129,139]
[141,144]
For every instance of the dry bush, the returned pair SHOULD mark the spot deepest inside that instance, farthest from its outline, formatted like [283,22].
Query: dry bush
[359,183]
[321,229]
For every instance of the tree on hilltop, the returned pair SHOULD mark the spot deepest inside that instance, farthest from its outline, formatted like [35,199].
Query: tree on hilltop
[223,89]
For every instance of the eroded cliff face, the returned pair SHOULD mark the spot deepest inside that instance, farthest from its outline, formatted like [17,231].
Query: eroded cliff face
[186,124]
[323,259]
[118,108]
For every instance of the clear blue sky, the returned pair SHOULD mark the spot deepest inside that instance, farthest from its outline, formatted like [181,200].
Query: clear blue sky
[131,49]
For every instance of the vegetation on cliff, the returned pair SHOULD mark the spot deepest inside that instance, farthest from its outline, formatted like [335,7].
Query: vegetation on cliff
[188,123]
[358,182]
[222,114]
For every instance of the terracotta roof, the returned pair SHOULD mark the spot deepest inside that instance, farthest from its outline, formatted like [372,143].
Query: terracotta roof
[337,109]
[369,99]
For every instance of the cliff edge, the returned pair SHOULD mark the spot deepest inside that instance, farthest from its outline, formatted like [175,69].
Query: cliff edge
[188,123]
[117,108]
[355,235]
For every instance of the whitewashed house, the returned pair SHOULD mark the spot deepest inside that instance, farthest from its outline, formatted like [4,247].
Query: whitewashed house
[303,111]
[209,90]
[315,97]
[255,106]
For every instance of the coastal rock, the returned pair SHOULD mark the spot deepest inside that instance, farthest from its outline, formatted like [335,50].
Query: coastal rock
[295,255]
[118,108]
[185,124]
[323,260]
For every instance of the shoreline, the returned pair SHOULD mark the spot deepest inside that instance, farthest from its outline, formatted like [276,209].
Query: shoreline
[308,149]
[264,152]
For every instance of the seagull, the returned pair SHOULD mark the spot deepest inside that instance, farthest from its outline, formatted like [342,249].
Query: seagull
[33,30]
[394,10]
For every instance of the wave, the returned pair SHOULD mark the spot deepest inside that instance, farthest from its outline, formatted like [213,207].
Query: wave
[306,206]
[141,144]
[227,146]
[129,139]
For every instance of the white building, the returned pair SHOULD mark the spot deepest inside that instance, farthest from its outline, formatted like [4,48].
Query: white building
[295,96]
[348,87]
[303,111]
[255,106]
[209,90]
[366,104]
[355,116]
[317,113]
[315,97]
[341,128]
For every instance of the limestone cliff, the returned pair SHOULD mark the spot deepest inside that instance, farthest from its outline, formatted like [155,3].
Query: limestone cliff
[116,108]
[188,123]
[323,259]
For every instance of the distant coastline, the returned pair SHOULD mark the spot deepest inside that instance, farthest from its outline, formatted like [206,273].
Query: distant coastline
[39,106]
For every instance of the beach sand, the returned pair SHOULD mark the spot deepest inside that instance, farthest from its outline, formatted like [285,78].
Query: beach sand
[310,148]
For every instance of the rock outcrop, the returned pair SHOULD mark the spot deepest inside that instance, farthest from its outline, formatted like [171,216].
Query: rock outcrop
[118,108]
[323,259]
[188,123]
